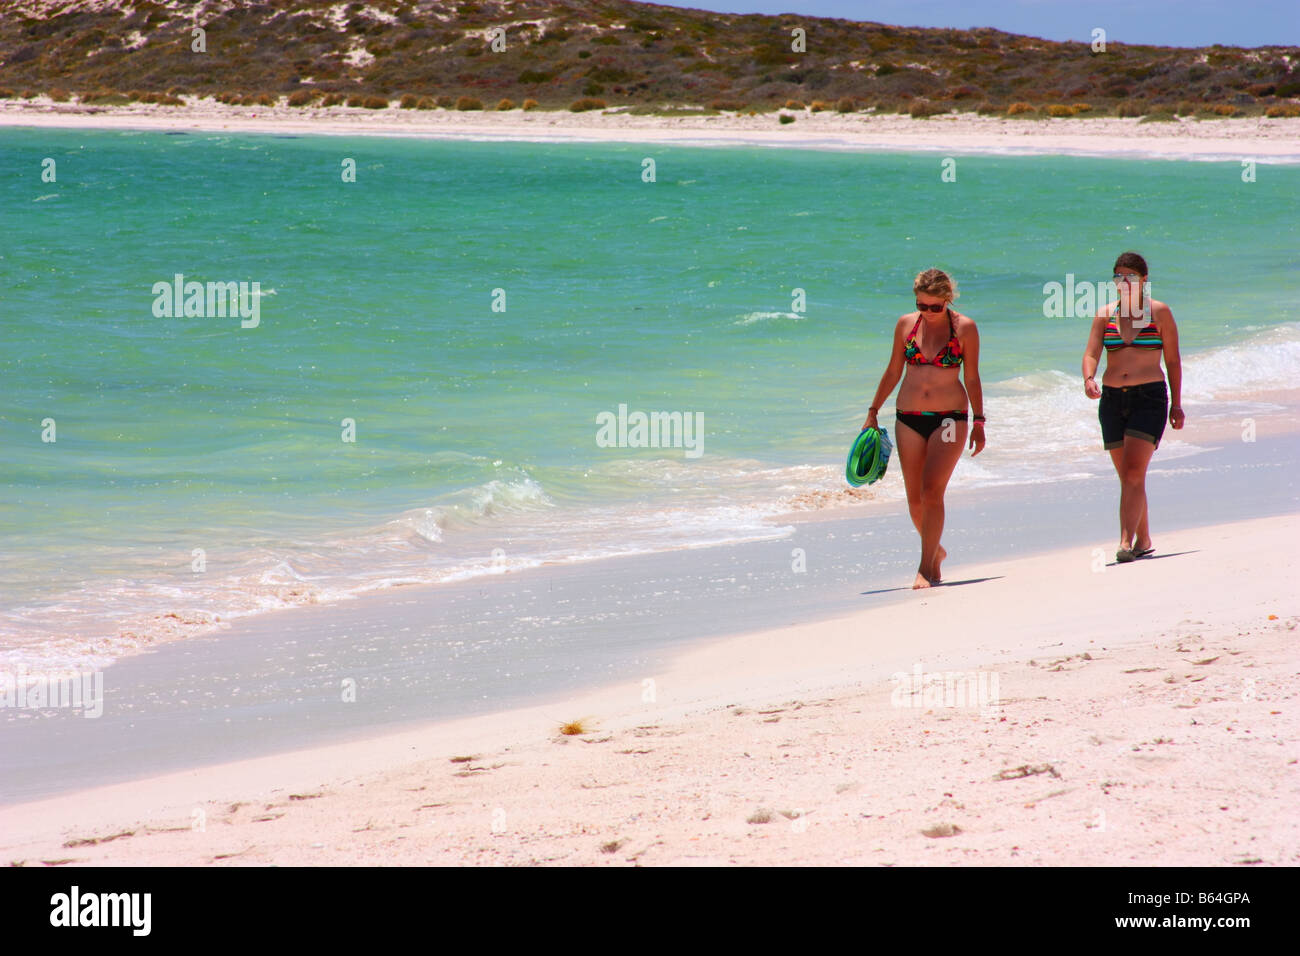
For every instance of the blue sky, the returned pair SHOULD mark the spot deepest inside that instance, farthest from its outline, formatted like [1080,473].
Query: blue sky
[1160,22]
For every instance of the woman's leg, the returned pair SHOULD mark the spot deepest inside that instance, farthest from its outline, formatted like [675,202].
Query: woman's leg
[1134,458]
[940,460]
[1142,533]
[911,456]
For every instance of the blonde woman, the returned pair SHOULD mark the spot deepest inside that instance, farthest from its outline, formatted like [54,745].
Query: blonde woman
[1135,400]
[937,348]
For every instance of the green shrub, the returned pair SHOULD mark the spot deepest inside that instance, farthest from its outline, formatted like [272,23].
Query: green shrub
[786,118]
[728,105]
[530,104]
[1131,108]
[468,103]
[409,101]
[446,102]
[356,100]
[923,109]
[105,98]
[1282,109]
[1185,108]
[582,105]
[1081,107]
[426,103]
[302,97]
[332,99]
[988,109]
[793,105]
[1059,110]
[817,106]
[375,103]
[1159,116]
[6,94]
[846,105]
[1019,109]
[59,95]
[505,104]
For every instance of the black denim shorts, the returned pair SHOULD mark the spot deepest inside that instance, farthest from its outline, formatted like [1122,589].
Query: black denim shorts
[1137,410]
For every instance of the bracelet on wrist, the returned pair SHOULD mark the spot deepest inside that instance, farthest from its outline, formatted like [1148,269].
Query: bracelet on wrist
[978,419]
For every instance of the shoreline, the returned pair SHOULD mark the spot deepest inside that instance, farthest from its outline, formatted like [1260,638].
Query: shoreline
[184,623]
[1106,703]
[1262,139]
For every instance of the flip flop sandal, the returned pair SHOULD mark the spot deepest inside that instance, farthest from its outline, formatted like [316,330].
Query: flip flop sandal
[1123,555]
[1142,552]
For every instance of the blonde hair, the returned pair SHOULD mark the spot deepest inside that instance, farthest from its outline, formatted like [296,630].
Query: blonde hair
[935,282]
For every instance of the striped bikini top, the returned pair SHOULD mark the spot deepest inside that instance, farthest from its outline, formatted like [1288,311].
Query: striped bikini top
[947,357]
[1148,338]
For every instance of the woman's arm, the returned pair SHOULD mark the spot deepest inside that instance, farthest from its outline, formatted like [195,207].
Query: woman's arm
[893,372]
[970,365]
[1092,355]
[1164,317]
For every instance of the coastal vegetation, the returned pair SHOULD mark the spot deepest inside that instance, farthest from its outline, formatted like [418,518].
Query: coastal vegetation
[575,54]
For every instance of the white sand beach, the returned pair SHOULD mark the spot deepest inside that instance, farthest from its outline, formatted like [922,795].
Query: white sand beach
[1142,714]
[1262,139]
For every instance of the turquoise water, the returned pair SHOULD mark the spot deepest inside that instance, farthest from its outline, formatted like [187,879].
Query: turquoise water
[476,429]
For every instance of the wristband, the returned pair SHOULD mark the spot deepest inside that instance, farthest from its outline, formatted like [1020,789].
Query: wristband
[979,419]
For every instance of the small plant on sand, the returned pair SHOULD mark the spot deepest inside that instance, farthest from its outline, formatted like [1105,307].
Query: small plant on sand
[575,727]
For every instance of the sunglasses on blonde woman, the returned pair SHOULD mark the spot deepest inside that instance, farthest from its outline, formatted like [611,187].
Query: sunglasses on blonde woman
[932,308]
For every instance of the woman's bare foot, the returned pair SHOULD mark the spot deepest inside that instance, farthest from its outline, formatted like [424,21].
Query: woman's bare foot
[921,581]
[938,561]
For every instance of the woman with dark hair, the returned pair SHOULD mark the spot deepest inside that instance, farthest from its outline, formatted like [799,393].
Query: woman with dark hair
[1133,394]
[932,406]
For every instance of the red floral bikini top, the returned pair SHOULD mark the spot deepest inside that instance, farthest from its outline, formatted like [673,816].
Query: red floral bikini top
[947,357]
